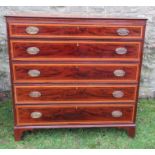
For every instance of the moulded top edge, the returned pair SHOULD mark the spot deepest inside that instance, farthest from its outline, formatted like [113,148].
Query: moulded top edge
[71,17]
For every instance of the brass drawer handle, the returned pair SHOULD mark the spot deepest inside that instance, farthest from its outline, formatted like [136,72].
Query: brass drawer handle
[36,115]
[118,94]
[32,30]
[33,50]
[35,94]
[121,50]
[34,73]
[117,114]
[122,32]
[119,73]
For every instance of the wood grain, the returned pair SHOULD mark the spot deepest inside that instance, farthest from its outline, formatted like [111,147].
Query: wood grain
[74,31]
[74,50]
[73,115]
[75,73]
[73,94]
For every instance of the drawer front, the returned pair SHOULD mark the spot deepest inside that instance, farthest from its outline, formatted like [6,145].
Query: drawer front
[63,94]
[74,50]
[67,115]
[75,73]
[74,31]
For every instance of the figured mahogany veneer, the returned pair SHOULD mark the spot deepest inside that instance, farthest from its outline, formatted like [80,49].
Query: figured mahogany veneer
[74,115]
[61,94]
[74,31]
[74,72]
[74,50]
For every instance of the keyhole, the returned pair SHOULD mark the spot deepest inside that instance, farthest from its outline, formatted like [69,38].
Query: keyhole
[77,44]
[77,67]
[78,27]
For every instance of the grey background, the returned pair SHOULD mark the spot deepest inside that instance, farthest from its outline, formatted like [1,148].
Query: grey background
[147,87]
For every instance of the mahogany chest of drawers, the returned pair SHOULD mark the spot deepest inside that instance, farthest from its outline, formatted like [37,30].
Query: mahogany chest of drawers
[74,72]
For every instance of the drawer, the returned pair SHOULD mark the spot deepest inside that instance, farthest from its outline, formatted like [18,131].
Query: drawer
[74,50]
[74,115]
[74,31]
[54,73]
[80,93]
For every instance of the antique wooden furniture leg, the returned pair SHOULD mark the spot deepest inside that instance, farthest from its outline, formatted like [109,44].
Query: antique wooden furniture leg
[131,131]
[18,133]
